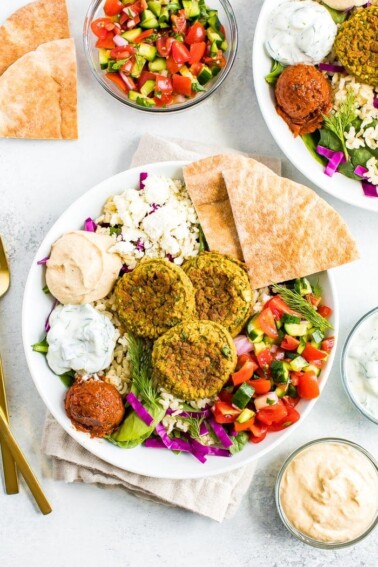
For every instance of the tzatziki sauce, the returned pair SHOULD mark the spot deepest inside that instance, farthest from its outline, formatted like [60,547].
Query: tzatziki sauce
[361,365]
[300,32]
[80,338]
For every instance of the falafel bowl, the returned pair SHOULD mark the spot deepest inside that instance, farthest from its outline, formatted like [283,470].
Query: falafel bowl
[181,354]
[314,67]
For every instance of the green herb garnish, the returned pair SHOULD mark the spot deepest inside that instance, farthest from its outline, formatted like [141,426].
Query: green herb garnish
[68,378]
[275,72]
[203,246]
[296,302]
[42,346]
[338,121]
[45,290]
[139,352]
[194,425]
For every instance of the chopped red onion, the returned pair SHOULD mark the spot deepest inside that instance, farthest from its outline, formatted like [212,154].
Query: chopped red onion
[170,257]
[326,152]
[139,409]
[43,261]
[242,344]
[90,225]
[120,41]
[125,270]
[139,245]
[334,162]
[331,68]
[369,189]
[142,177]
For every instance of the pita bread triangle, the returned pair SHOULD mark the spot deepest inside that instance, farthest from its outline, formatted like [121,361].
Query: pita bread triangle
[29,27]
[285,230]
[38,94]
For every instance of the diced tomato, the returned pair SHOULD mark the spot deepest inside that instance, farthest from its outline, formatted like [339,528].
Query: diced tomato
[308,386]
[245,372]
[163,100]
[163,84]
[278,307]
[217,60]
[196,68]
[289,401]
[272,414]
[325,311]
[259,432]
[264,358]
[144,77]
[225,413]
[182,85]
[122,52]
[265,320]
[196,34]
[113,7]
[328,344]
[116,79]
[290,343]
[135,9]
[164,45]
[292,416]
[294,377]
[180,53]
[106,42]
[197,51]
[179,22]
[172,66]
[313,299]
[101,27]
[311,353]
[261,385]
[143,36]
[318,363]
[128,66]
[225,396]
[244,426]
[242,358]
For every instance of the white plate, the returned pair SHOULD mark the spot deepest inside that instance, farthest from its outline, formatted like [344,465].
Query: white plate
[338,186]
[36,305]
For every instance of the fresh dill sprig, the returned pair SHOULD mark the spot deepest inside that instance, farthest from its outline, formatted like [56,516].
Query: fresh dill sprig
[139,352]
[342,118]
[296,302]
[194,425]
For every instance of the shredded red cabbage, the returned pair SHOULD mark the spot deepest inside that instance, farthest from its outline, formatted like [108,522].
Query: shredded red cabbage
[334,162]
[203,430]
[124,270]
[326,152]
[331,68]
[154,443]
[201,413]
[43,261]
[154,208]
[161,431]
[242,344]
[369,189]
[202,450]
[233,433]
[220,433]
[375,102]
[139,409]
[360,171]
[47,324]
[142,177]
[90,225]
[139,245]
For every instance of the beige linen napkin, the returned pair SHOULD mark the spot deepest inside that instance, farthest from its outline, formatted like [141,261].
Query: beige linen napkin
[217,497]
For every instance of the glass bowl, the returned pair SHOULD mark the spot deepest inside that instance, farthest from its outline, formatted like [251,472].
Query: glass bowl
[344,371]
[226,16]
[293,530]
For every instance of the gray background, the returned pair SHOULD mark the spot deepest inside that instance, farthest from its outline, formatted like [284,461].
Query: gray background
[89,525]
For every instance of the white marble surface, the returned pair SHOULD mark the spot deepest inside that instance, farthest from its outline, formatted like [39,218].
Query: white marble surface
[101,527]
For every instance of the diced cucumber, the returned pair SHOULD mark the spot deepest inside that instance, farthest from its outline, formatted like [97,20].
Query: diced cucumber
[214,49]
[192,9]
[312,368]
[245,415]
[155,7]
[131,35]
[148,20]
[317,336]
[103,57]
[296,329]
[114,66]
[148,87]
[215,70]
[147,51]
[243,395]
[163,25]
[292,391]
[280,371]
[159,64]
[286,318]
[214,21]
[214,37]
[281,390]
[259,347]
[302,286]
[224,45]
[298,363]
[137,69]
[140,99]
[302,345]
[204,75]
[253,332]
[164,17]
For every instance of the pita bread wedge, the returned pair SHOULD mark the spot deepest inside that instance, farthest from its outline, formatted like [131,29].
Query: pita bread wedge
[38,94]
[29,27]
[285,230]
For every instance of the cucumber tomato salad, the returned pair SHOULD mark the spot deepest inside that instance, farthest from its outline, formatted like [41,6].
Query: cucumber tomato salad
[161,52]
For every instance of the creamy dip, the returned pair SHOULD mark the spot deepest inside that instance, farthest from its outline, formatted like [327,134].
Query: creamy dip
[80,338]
[361,365]
[329,492]
[300,32]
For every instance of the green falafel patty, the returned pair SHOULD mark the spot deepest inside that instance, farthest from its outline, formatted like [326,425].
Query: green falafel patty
[356,45]
[222,289]
[194,359]
[154,297]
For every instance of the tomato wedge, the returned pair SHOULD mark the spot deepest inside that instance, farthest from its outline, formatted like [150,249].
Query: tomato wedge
[172,66]
[180,53]
[272,414]
[311,353]
[197,51]
[328,344]
[101,27]
[196,34]
[325,311]
[164,45]
[264,358]
[113,7]
[261,385]
[144,77]
[290,343]
[225,396]
[259,432]
[116,79]
[265,320]
[244,426]
[308,386]
[278,307]
[163,84]
[163,100]
[179,22]
[245,373]
[196,68]
[182,85]
[106,42]
[292,416]
[122,52]
[225,413]
[143,36]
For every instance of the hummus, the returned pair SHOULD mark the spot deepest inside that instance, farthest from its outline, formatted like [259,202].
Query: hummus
[81,269]
[329,492]
[342,5]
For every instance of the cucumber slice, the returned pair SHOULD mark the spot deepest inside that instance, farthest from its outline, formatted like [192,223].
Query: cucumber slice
[298,363]
[302,286]
[243,395]
[131,35]
[254,334]
[103,57]
[280,371]
[148,87]
[148,20]
[155,7]
[158,64]
[137,69]
[192,9]
[205,75]
[147,51]
[140,99]
[245,415]
[312,368]
[296,329]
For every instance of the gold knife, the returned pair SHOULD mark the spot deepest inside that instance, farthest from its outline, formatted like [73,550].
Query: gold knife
[6,437]
[9,465]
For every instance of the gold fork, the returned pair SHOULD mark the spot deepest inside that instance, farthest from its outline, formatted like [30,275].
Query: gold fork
[11,452]
[9,465]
